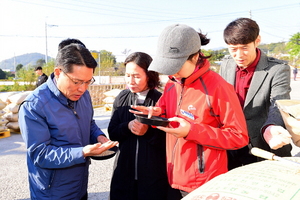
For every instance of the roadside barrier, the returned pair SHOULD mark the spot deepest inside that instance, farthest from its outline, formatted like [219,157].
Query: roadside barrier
[97,92]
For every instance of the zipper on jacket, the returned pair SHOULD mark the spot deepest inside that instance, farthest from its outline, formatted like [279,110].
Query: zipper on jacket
[200,154]
[136,160]
[74,111]
[180,101]
[172,160]
[51,179]
[181,94]
[71,105]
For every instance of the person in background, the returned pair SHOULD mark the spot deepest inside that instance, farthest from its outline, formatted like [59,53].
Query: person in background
[206,119]
[42,76]
[295,72]
[140,165]
[259,81]
[56,122]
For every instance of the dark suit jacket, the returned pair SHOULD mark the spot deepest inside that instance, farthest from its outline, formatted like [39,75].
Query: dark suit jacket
[271,81]
[42,79]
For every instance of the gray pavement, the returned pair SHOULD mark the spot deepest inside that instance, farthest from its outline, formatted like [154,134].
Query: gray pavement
[13,169]
[295,94]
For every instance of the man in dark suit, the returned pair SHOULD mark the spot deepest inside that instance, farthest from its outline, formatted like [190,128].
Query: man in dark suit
[259,81]
[42,77]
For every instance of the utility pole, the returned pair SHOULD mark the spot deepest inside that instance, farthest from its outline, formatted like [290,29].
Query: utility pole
[250,14]
[99,67]
[47,25]
[46,57]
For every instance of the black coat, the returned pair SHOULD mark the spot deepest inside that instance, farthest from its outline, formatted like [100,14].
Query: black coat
[42,79]
[150,150]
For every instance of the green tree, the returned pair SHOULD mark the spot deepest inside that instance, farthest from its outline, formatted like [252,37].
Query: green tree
[294,48]
[216,55]
[18,67]
[294,45]
[48,67]
[107,63]
[26,75]
[119,69]
[10,75]
[2,74]
[40,62]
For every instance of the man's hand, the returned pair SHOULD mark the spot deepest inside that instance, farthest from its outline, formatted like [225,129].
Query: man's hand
[95,149]
[276,136]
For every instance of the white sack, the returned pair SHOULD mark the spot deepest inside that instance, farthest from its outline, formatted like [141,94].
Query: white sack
[18,97]
[12,117]
[112,93]
[290,112]
[273,180]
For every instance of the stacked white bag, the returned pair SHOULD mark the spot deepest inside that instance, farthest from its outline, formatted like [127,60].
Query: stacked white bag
[110,98]
[3,121]
[13,102]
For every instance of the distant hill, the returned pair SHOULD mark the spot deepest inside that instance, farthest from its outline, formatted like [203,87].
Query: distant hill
[25,59]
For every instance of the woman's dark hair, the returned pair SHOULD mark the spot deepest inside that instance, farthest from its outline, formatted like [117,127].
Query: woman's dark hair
[241,31]
[143,60]
[74,54]
[204,41]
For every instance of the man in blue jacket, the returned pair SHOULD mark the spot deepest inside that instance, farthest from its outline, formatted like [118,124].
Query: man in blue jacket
[56,122]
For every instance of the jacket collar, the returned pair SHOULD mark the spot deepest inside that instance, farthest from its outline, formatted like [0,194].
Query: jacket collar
[53,88]
[203,67]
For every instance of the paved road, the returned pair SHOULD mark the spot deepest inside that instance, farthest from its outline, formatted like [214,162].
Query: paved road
[13,170]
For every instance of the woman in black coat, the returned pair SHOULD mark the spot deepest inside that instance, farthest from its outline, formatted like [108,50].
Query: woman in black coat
[140,165]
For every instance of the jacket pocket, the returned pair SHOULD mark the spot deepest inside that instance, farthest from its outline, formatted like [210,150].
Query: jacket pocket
[200,155]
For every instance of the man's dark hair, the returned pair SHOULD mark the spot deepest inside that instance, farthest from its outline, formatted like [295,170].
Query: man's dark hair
[74,54]
[38,68]
[69,41]
[241,31]
[143,60]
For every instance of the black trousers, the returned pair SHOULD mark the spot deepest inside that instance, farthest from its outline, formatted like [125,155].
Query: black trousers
[175,194]
[85,197]
[240,157]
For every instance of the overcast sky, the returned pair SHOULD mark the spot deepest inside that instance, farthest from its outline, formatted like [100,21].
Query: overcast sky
[116,25]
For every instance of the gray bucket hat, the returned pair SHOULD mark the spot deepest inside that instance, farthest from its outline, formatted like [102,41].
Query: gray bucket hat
[175,44]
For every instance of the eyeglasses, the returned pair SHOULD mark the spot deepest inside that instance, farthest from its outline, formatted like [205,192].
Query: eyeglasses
[79,83]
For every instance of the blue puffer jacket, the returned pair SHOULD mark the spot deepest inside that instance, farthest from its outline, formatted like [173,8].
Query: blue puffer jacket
[54,137]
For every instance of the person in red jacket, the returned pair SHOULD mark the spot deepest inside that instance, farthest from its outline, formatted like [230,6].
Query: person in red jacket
[206,118]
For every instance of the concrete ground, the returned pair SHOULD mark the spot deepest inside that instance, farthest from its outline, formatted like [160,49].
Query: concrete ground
[13,169]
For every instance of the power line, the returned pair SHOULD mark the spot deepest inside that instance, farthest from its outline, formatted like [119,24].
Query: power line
[144,15]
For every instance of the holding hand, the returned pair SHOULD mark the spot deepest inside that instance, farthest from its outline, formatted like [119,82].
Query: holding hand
[137,127]
[98,148]
[102,139]
[150,111]
[276,136]
[181,131]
